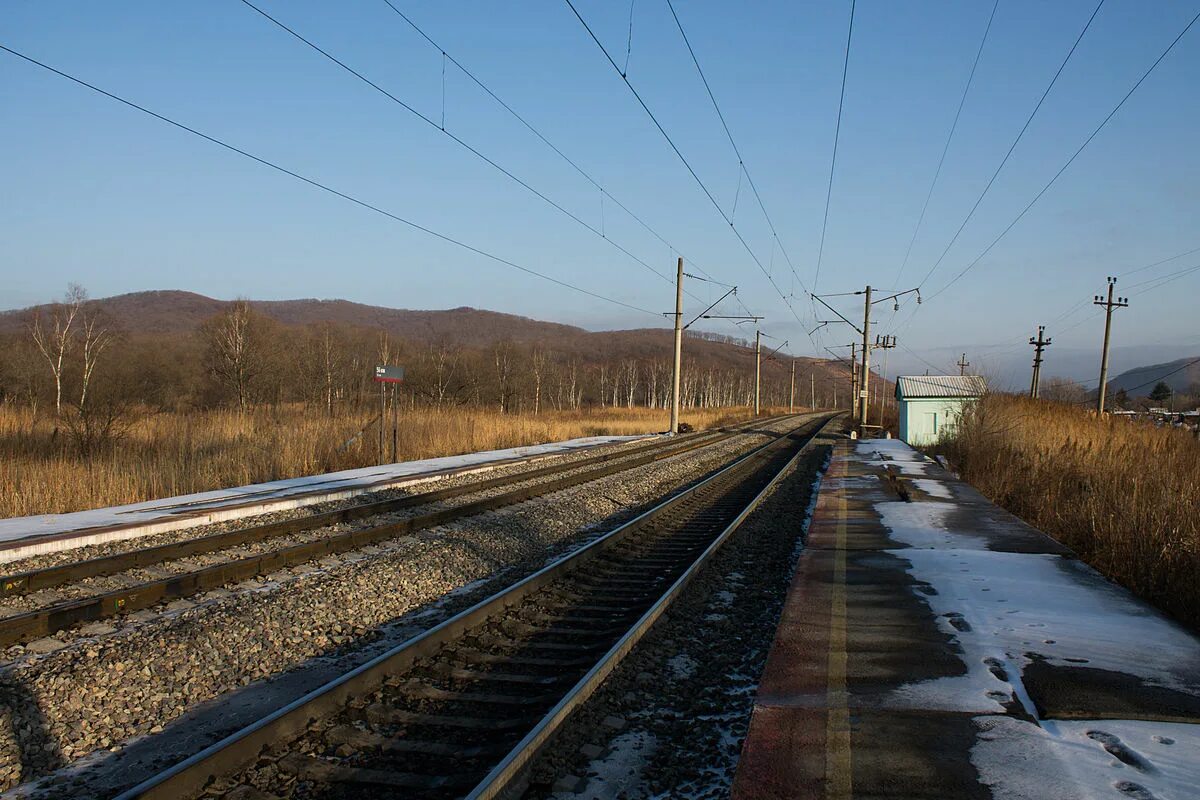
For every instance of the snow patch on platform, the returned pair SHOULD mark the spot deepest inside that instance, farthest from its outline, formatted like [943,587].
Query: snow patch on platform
[896,453]
[1076,761]
[933,488]
[923,524]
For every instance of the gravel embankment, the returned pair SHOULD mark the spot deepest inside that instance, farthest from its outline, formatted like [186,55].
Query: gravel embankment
[670,721]
[99,692]
[92,586]
[416,486]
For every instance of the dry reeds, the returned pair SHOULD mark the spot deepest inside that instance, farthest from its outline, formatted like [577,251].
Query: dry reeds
[167,454]
[1125,496]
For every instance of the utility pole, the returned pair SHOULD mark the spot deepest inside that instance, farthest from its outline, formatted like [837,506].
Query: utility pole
[812,388]
[757,368]
[866,365]
[853,379]
[1109,305]
[885,343]
[792,391]
[675,370]
[963,364]
[860,397]
[1039,345]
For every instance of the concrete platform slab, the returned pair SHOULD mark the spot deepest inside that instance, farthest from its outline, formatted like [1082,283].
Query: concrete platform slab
[939,647]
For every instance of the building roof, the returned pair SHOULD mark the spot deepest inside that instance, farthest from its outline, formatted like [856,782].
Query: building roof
[909,387]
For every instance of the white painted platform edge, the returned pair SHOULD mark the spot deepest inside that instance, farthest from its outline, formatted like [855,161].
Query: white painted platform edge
[289,494]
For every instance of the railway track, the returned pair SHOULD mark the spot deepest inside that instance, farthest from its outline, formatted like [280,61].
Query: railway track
[58,615]
[462,709]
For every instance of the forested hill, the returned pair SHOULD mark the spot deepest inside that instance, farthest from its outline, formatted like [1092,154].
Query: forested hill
[173,311]
[453,355]
[1182,375]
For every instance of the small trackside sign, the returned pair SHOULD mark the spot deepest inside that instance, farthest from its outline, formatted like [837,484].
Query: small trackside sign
[389,374]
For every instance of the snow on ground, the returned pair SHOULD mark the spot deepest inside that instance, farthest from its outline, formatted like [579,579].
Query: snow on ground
[1118,759]
[618,774]
[1021,602]
[1002,606]
[933,488]
[895,453]
[157,516]
[923,524]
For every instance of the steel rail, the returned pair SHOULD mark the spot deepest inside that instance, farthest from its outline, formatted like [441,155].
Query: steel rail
[55,617]
[513,767]
[189,777]
[49,577]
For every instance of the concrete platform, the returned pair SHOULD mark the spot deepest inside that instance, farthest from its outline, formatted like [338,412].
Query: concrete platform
[941,648]
[21,537]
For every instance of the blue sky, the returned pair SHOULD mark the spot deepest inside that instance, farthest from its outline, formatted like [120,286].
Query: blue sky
[100,194]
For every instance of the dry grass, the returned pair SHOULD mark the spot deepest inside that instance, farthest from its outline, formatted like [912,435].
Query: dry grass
[1125,496]
[163,455]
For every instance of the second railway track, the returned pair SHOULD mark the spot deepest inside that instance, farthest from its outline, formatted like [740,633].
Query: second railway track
[461,709]
[514,488]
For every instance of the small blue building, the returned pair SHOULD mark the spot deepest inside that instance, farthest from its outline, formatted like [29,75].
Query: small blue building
[930,405]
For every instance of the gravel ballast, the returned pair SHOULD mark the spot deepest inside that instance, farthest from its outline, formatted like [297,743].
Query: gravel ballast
[131,678]
[670,721]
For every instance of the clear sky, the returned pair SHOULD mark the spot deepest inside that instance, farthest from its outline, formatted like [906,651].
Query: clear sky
[97,193]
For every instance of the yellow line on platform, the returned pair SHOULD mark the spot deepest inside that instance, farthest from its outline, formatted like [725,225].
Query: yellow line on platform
[838,784]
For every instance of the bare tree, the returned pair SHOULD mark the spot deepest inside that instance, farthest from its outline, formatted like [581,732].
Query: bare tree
[326,358]
[502,354]
[97,336]
[446,359]
[631,377]
[537,361]
[54,337]
[236,354]
[384,348]
[1063,390]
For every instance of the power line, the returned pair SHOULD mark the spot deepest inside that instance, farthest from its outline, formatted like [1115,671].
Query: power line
[1074,155]
[1013,146]
[1157,263]
[683,158]
[317,184]
[729,134]
[837,133]
[913,353]
[1074,309]
[530,127]
[1064,167]
[950,137]
[1164,375]
[442,128]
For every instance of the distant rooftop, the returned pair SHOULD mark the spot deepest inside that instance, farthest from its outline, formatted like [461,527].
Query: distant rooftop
[910,387]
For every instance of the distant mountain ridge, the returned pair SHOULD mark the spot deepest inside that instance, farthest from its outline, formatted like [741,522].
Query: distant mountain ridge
[180,313]
[1181,375]
[175,311]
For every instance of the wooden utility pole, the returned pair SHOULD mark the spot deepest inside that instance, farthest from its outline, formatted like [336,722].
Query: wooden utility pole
[792,391]
[866,365]
[757,368]
[677,366]
[1109,305]
[382,420]
[963,364]
[885,343]
[395,424]
[1039,345]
